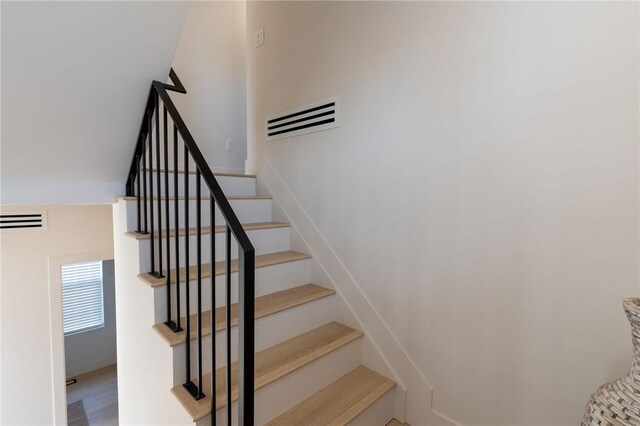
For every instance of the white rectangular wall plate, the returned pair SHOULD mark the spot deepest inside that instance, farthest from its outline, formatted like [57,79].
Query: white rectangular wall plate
[259,38]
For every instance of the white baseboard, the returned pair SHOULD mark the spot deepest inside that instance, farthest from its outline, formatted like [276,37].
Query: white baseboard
[418,405]
[91,365]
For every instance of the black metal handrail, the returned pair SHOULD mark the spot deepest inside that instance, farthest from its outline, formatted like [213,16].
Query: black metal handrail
[140,183]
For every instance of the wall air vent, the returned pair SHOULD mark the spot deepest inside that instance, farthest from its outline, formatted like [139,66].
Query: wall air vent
[315,117]
[23,221]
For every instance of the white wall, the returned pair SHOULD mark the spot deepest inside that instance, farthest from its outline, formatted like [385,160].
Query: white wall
[144,396]
[481,192]
[75,80]
[27,333]
[210,62]
[93,349]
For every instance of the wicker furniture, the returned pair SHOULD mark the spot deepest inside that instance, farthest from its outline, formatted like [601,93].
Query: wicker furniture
[618,402]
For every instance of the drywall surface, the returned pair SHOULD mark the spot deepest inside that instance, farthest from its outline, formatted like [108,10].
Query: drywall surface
[25,315]
[145,365]
[95,349]
[210,62]
[75,80]
[481,191]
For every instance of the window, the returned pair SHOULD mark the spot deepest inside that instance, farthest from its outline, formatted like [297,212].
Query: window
[82,300]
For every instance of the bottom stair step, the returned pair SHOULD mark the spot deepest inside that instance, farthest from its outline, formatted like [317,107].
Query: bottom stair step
[340,402]
[270,365]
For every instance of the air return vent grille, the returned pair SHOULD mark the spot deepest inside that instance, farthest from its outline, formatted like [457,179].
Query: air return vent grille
[315,117]
[23,221]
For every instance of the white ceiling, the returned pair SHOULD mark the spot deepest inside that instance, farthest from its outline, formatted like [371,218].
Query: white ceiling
[74,81]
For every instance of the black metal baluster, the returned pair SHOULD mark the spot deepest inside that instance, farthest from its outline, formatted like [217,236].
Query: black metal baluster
[227,320]
[189,385]
[199,260]
[246,336]
[171,324]
[212,225]
[159,180]
[151,240]
[144,180]
[177,223]
[138,177]
[186,267]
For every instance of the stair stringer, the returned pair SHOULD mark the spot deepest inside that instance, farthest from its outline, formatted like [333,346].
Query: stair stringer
[381,351]
[142,386]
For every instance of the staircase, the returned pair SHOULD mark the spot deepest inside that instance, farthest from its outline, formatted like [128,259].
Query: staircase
[305,348]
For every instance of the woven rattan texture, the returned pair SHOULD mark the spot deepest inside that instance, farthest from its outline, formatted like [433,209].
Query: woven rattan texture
[618,402]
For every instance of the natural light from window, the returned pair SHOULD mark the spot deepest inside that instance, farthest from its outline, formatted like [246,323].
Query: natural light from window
[82,297]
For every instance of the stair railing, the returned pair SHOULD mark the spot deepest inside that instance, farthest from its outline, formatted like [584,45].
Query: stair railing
[140,183]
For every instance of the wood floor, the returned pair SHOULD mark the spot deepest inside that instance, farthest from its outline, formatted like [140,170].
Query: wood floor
[98,391]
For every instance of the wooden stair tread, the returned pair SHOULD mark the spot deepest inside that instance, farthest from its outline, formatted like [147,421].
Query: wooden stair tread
[193,172]
[264,306]
[203,197]
[207,230]
[261,261]
[271,364]
[340,402]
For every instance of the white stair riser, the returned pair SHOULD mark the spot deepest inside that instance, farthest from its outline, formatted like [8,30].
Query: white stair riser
[264,241]
[230,185]
[247,211]
[268,280]
[380,413]
[269,331]
[277,397]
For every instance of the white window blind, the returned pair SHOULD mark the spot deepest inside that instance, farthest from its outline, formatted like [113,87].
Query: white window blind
[82,300]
